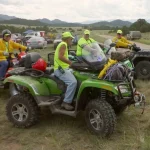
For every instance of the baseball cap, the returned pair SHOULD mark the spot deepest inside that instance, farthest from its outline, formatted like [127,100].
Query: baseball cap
[67,35]
[87,32]
[7,34]
[119,31]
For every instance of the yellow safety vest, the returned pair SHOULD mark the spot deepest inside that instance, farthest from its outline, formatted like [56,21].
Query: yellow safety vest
[57,61]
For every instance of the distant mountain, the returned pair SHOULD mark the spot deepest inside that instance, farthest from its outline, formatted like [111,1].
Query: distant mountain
[58,22]
[6,17]
[90,21]
[45,22]
[23,22]
[120,23]
[115,23]
[55,21]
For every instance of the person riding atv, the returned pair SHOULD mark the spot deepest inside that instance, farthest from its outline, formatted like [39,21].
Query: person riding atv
[84,41]
[121,42]
[7,46]
[61,69]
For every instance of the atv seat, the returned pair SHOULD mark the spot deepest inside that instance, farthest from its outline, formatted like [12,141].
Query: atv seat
[61,85]
[31,58]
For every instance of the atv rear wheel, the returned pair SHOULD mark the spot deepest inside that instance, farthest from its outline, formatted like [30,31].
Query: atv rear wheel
[143,70]
[22,110]
[100,117]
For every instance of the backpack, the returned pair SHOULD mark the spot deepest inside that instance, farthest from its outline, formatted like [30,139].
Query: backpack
[117,72]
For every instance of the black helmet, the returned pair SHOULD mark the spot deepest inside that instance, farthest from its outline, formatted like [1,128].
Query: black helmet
[6,31]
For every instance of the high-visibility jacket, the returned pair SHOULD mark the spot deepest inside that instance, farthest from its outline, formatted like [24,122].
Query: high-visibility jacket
[9,47]
[122,42]
[81,43]
[57,61]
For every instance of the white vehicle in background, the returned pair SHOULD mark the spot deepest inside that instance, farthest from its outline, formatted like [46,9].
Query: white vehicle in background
[36,42]
[57,41]
[133,35]
[35,33]
[15,38]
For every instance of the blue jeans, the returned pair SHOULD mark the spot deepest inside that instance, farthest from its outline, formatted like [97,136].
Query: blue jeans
[3,68]
[71,82]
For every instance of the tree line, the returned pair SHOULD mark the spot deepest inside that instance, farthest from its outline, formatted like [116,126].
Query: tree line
[21,29]
[140,25]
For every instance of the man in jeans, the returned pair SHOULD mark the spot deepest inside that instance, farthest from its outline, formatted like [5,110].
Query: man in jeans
[61,69]
[7,46]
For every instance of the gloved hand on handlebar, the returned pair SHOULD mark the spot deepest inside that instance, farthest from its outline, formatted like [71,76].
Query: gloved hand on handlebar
[132,46]
[129,45]
[5,53]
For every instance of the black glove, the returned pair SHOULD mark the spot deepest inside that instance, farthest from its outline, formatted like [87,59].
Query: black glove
[130,46]
[134,44]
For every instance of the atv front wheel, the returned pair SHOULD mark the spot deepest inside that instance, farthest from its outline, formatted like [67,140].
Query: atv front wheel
[142,70]
[100,117]
[22,110]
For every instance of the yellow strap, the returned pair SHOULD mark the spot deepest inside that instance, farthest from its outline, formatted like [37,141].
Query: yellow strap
[6,43]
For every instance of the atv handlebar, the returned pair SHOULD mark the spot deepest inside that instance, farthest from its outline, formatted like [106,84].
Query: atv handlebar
[135,48]
[111,45]
[75,56]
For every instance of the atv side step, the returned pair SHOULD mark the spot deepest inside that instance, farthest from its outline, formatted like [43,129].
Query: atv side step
[50,101]
[55,109]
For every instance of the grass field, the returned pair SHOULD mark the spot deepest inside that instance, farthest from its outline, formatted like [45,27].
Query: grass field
[145,38]
[58,132]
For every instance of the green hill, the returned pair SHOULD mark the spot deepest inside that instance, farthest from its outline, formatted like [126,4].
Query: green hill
[19,21]
[115,23]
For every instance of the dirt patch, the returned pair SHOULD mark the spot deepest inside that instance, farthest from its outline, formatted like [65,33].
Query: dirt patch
[10,146]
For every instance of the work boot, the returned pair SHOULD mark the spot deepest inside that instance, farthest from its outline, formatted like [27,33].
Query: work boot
[67,106]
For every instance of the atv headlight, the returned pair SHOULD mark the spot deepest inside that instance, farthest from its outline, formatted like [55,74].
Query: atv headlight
[123,89]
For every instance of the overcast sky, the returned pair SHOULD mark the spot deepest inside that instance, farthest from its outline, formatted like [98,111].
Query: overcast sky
[77,10]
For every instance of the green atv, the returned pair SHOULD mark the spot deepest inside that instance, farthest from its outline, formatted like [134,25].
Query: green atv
[100,99]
